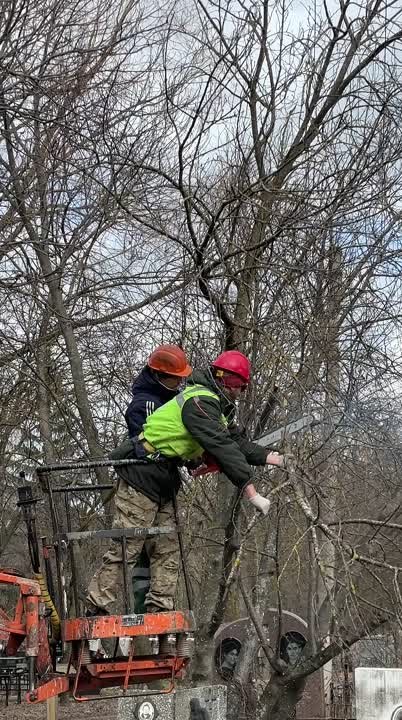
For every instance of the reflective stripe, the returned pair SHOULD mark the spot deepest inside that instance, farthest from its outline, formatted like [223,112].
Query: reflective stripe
[193,391]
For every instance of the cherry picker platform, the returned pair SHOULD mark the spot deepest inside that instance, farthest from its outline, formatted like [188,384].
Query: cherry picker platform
[44,618]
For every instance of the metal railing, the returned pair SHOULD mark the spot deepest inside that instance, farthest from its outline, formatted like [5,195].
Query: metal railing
[13,677]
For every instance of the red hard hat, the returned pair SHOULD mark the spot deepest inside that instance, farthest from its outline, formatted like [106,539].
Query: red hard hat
[235,362]
[169,359]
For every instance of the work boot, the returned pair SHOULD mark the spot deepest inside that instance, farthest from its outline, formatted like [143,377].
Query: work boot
[110,646]
[95,611]
[96,652]
[154,609]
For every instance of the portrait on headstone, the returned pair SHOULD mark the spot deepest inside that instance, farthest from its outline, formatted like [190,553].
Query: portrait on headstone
[291,647]
[226,657]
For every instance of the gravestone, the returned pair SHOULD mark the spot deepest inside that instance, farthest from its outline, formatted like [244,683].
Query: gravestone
[378,693]
[201,703]
[312,702]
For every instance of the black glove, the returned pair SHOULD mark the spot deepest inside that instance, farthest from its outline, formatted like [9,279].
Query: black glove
[192,464]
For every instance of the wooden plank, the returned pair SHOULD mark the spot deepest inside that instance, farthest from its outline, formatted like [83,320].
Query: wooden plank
[52,708]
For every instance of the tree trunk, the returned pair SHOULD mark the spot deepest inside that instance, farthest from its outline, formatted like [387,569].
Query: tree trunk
[326,568]
[280,698]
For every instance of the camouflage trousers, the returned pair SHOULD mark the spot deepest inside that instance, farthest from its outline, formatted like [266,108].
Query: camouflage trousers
[133,509]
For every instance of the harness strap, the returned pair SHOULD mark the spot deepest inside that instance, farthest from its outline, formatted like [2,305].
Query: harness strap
[147,446]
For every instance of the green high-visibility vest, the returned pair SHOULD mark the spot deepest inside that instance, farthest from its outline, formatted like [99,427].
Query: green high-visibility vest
[165,431]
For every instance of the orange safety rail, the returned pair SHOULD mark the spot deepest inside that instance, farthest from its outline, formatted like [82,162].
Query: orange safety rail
[95,676]
[108,626]
[26,585]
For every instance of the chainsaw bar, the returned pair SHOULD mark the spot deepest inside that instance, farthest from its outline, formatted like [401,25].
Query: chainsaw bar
[276,436]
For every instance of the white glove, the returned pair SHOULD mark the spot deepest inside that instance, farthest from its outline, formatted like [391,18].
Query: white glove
[261,503]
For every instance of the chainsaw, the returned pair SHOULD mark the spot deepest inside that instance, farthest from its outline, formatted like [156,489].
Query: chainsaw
[209,464]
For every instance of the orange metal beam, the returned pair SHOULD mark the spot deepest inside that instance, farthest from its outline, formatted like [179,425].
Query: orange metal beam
[128,625]
[51,688]
[13,627]
[27,586]
[137,667]
[96,676]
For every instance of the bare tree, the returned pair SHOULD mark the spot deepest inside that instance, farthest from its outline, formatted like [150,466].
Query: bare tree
[225,175]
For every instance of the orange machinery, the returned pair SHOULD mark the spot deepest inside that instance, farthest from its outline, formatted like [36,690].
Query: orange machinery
[34,626]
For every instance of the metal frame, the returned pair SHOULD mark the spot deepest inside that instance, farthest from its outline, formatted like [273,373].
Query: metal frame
[65,540]
[13,676]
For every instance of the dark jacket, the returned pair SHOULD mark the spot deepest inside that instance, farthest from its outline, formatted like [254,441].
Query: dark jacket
[148,396]
[233,452]
[231,449]
[158,480]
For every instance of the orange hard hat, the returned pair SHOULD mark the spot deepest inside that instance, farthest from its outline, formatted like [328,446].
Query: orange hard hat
[171,360]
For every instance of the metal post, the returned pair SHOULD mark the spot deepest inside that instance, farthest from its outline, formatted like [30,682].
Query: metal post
[48,566]
[187,581]
[61,585]
[127,603]
[31,673]
[71,553]
[87,465]
[27,503]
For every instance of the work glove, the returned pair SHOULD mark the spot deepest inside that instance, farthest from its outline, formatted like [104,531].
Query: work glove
[261,503]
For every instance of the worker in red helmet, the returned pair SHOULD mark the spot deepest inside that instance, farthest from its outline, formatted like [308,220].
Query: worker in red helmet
[210,418]
[199,420]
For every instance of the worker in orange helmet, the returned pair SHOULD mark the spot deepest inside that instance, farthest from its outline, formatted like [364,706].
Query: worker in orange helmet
[199,420]
[157,383]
